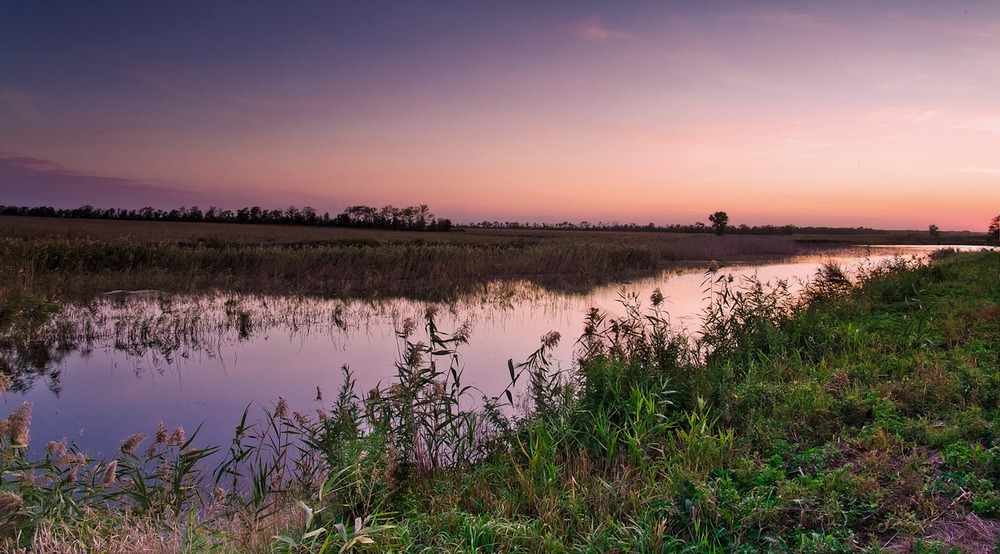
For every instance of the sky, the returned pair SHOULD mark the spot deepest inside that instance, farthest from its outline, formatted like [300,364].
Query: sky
[851,113]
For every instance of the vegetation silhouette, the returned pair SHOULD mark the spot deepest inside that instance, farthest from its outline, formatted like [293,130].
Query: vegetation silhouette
[419,218]
[720,220]
[410,218]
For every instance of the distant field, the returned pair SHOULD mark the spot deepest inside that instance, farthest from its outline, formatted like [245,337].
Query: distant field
[74,258]
[234,233]
[229,233]
[176,231]
[900,238]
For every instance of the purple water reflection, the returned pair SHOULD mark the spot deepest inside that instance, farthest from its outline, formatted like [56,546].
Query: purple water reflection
[289,347]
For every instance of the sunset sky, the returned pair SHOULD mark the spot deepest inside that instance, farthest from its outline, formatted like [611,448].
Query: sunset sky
[851,113]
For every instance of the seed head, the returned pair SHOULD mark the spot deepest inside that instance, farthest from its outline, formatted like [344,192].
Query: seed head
[10,504]
[17,430]
[408,327]
[109,473]
[56,449]
[132,442]
[656,298]
[430,313]
[177,437]
[161,433]
[281,410]
[550,339]
[415,357]
[461,336]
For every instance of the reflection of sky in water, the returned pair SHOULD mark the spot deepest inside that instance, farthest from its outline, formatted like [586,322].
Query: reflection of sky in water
[107,394]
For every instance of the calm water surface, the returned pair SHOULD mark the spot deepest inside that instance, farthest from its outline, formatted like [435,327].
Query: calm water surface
[193,361]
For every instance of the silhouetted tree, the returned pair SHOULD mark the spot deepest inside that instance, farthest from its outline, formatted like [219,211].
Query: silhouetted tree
[994,230]
[309,216]
[720,220]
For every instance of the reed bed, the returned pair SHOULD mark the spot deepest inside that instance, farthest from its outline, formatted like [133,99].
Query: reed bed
[80,268]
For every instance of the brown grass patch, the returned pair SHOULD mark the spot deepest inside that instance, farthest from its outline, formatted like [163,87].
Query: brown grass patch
[968,534]
[80,258]
[125,533]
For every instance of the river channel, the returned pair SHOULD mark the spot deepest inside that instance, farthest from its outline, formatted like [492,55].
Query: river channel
[144,357]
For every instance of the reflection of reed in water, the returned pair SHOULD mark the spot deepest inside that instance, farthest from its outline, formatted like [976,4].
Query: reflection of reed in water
[154,330]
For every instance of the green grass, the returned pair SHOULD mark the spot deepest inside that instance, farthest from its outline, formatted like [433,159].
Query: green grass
[861,417]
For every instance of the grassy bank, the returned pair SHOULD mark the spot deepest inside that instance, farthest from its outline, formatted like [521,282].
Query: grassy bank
[88,258]
[863,417]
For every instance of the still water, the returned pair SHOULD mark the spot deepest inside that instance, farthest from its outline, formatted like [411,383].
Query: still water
[187,361]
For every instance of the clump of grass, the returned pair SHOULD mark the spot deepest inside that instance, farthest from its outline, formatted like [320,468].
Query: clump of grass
[154,498]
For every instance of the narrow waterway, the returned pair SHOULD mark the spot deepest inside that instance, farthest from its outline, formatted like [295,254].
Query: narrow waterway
[144,358]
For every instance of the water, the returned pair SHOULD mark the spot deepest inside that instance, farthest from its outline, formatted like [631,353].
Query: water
[190,361]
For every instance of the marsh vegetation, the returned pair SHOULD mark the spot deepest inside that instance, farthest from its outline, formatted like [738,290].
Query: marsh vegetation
[858,414]
[93,257]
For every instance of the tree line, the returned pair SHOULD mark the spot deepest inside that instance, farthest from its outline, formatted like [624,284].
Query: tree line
[697,227]
[419,218]
[720,225]
[410,218]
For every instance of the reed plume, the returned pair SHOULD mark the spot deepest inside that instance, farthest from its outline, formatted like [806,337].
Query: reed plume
[17,425]
[109,473]
[132,442]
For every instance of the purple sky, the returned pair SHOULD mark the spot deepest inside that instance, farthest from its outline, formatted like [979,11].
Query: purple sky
[849,113]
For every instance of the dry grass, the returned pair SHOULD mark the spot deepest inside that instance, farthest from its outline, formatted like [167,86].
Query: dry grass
[124,533]
[235,233]
[185,232]
[78,258]
[970,534]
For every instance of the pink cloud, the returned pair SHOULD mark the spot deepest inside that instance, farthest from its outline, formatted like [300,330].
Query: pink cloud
[593,29]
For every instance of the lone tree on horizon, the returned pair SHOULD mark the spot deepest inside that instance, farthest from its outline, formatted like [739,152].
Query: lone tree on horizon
[720,220]
[994,230]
